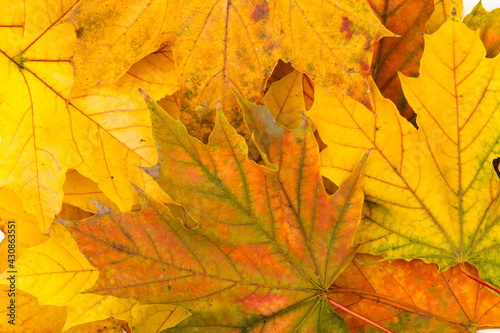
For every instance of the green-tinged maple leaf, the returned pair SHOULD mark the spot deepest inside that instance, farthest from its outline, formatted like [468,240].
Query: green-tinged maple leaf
[399,54]
[413,297]
[489,25]
[270,240]
[430,193]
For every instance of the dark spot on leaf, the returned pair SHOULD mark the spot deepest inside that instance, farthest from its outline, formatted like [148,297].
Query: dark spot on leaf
[496,163]
[79,33]
[346,27]
[260,12]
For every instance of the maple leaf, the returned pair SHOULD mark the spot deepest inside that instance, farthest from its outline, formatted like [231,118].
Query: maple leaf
[29,315]
[213,55]
[489,25]
[103,132]
[109,325]
[286,98]
[27,233]
[114,35]
[433,193]
[402,53]
[443,10]
[269,244]
[56,273]
[412,296]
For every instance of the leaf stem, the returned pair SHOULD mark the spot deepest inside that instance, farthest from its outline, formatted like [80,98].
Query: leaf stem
[477,279]
[371,322]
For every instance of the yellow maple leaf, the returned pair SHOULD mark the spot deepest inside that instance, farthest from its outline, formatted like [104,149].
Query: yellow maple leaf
[103,132]
[443,10]
[285,99]
[29,316]
[329,41]
[433,193]
[113,35]
[22,228]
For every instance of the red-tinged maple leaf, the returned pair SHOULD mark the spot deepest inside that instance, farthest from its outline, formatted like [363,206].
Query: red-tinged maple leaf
[413,297]
[270,241]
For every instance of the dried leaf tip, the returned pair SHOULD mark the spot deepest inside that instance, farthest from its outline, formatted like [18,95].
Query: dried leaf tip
[101,209]
[454,15]
[305,121]
[145,96]
[154,171]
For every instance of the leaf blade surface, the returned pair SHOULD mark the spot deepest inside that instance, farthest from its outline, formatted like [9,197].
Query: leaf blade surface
[426,188]
[268,244]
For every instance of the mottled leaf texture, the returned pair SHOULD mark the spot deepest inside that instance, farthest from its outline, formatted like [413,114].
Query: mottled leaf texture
[413,297]
[430,194]
[113,35]
[235,44]
[489,25]
[399,54]
[269,244]
[102,132]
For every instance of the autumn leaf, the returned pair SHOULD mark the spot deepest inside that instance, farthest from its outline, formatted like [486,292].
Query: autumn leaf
[109,325]
[102,132]
[399,54]
[489,25]
[412,296]
[277,239]
[286,100]
[29,316]
[433,193]
[23,228]
[56,273]
[443,10]
[114,35]
[213,55]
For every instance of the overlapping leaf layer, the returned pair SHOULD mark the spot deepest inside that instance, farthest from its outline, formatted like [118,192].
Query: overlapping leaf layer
[233,230]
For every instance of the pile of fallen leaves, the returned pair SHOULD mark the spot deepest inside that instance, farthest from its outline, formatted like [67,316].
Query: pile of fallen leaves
[249,166]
